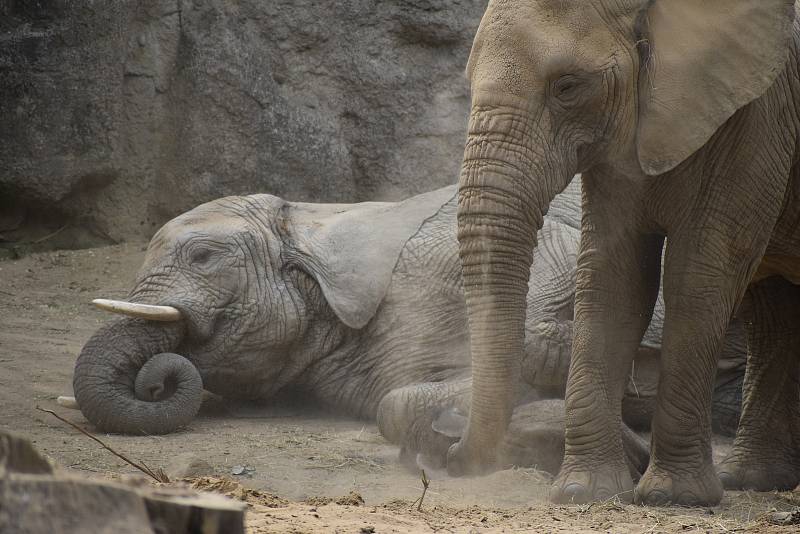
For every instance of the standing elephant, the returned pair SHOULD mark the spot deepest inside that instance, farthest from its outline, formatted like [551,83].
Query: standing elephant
[360,306]
[683,117]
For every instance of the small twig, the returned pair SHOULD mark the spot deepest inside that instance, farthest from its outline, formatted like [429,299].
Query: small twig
[158,476]
[48,236]
[348,461]
[79,467]
[332,466]
[425,484]
[286,416]
[633,379]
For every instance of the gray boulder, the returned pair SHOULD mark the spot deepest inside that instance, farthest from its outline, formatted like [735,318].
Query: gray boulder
[119,115]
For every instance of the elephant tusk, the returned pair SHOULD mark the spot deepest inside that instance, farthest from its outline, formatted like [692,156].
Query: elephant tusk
[68,402]
[143,311]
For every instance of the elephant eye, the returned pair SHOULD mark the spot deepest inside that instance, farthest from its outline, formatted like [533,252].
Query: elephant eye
[200,255]
[566,87]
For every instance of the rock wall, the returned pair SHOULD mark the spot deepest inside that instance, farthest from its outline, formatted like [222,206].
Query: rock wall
[118,115]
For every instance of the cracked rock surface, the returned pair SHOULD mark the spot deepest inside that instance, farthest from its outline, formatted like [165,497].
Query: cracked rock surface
[122,114]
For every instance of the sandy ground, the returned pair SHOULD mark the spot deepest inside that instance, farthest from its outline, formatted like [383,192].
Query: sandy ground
[296,462]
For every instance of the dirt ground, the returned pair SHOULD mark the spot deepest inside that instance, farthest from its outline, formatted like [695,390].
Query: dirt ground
[300,469]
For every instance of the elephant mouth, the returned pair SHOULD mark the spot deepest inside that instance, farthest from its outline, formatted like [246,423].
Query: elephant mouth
[197,331]
[198,327]
[198,347]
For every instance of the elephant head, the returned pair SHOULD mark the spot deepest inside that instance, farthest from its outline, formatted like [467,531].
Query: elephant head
[249,291]
[566,86]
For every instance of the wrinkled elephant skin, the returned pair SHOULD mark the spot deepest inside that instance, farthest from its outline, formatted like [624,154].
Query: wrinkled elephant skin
[682,118]
[359,305]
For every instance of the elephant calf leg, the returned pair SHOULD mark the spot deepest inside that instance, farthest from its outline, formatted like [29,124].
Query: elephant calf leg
[766,451]
[546,356]
[416,418]
[425,419]
[535,438]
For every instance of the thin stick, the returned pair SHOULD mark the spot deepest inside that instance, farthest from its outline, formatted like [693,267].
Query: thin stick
[48,236]
[158,476]
[633,374]
[425,484]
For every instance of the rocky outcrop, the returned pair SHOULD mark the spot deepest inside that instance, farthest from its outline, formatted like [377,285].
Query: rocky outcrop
[122,114]
[36,499]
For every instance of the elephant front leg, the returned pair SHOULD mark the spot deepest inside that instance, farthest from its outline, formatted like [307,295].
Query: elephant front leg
[702,285]
[766,452]
[615,295]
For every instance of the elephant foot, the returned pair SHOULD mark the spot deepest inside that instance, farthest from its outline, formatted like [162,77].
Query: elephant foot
[659,487]
[574,486]
[742,471]
[465,460]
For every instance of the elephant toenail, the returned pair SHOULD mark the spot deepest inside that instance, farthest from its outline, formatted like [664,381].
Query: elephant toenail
[656,498]
[574,493]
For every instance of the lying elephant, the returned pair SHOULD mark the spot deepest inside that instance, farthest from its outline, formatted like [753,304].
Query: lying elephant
[360,305]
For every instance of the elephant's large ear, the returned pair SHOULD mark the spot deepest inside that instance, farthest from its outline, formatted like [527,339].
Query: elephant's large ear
[351,249]
[706,59]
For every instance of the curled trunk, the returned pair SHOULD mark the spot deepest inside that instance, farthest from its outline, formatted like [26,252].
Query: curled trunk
[127,381]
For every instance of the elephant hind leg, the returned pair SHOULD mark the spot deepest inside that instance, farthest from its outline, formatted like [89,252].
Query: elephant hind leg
[766,451]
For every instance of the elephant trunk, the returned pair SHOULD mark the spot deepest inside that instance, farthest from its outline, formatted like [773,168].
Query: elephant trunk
[504,190]
[127,381]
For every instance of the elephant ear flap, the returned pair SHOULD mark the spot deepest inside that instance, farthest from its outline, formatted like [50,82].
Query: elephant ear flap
[351,249]
[702,61]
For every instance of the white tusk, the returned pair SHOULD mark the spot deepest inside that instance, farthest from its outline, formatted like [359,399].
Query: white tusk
[68,402]
[143,311]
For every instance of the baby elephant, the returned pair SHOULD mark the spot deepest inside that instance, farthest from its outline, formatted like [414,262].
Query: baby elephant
[360,305]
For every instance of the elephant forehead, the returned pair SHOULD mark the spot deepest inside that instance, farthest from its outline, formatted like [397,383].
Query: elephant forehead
[214,227]
[525,45]
[209,222]
[213,221]
[581,9]
[553,17]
